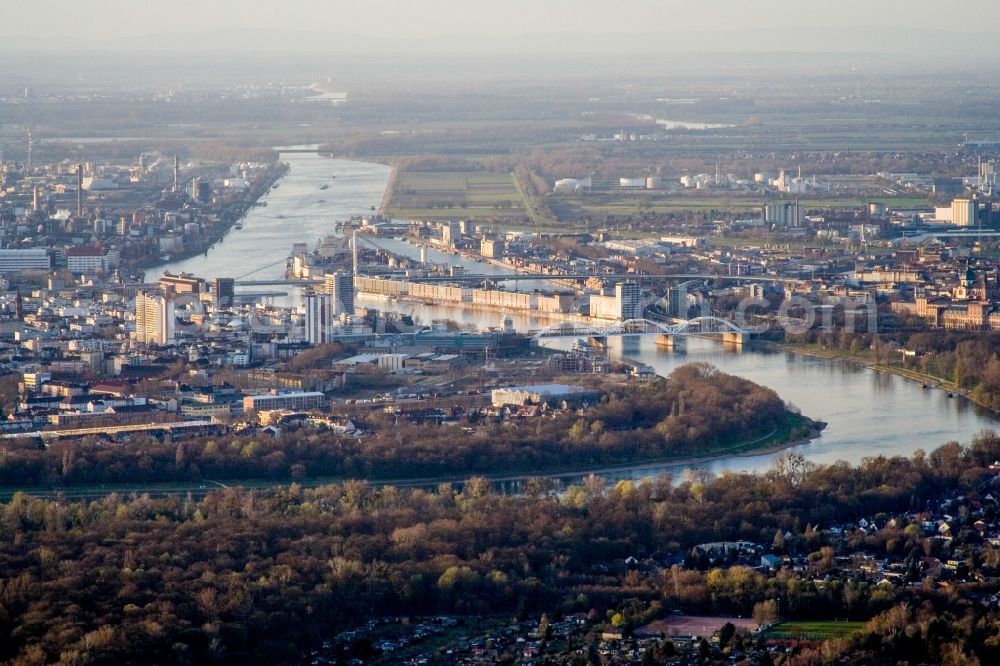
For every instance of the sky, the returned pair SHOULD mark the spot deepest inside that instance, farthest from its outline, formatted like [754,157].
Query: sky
[470,24]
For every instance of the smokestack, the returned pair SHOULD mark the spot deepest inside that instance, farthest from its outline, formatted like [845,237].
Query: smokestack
[79,190]
[177,175]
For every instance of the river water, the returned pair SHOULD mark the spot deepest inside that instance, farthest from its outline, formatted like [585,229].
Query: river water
[868,413]
[316,193]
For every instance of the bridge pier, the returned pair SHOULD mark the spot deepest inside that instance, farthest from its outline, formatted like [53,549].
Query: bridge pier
[598,341]
[665,341]
[736,339]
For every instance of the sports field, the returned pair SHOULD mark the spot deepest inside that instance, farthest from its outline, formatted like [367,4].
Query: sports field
[694,625]
[813,630]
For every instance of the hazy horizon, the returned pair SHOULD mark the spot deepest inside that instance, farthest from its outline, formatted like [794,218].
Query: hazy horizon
[558,26]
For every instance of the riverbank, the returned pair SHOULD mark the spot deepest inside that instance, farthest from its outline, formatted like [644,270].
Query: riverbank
[390,188]
[776,441]
[868,414]
[218,232]
[926,380]
[779,439]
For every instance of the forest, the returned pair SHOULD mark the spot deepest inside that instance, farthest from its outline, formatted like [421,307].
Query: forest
[265,576]
[696,411]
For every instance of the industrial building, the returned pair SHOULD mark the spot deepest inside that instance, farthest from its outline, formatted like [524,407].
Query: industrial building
[390,362]
[507,300]
[572,184]
[491,248]
[550,394]
[444,293]
[84,259]
[964,212]
[181,284]
[300,400]
[783,214]
[377,285]
[461,342]
[561,303]
[12,261]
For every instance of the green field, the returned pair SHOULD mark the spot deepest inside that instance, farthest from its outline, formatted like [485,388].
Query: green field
[452,195]
[813,631]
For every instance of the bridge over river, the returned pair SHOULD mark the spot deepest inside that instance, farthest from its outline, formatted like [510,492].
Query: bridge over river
[665,333]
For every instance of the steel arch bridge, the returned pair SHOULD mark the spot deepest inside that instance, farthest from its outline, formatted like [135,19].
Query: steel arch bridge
[696,326]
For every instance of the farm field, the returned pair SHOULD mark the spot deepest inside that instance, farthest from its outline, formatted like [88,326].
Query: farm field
[452,195]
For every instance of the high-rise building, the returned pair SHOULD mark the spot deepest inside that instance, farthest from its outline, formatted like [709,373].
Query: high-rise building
[319,318]
[354,253]
[626,303]
[79,190]
[964,212]
[340,286]
[630,299]
[677,302]
[223,291]
[154,319]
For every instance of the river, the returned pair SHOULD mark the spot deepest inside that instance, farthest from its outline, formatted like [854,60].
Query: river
[297,211]
[868,413]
